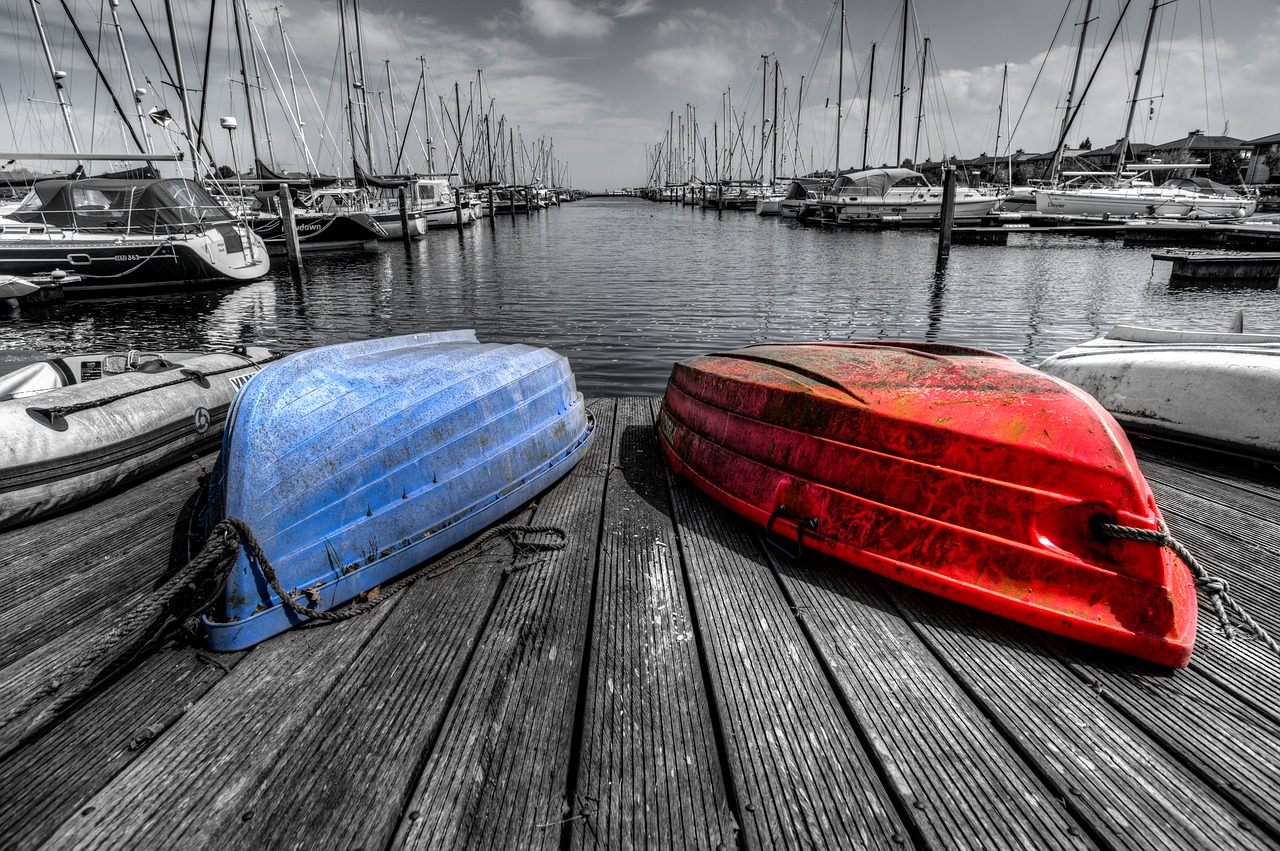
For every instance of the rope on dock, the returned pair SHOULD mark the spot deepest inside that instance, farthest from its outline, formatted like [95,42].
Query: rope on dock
[508,530]
[1214,586]
[213,565]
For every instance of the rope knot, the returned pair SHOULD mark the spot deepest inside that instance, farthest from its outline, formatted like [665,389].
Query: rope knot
[1215,587]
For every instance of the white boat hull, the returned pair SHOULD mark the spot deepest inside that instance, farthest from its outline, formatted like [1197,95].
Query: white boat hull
[1219,390]
[74,428]
[1117,202]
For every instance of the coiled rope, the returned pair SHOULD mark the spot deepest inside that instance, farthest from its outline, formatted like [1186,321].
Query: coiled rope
[213,565]
[1214,586]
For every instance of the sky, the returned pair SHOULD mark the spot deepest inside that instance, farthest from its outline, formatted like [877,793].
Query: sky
[618,93]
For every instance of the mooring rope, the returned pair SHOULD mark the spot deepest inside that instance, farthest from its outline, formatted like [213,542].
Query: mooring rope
[1214,586]
[213,564]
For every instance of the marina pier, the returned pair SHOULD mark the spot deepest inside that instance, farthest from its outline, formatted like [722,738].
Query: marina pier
[665,680]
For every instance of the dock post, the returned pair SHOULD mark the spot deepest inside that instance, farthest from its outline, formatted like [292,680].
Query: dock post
[457,199]
[528,203]
[493,214]
[293,249]
[947,214]
[404,217]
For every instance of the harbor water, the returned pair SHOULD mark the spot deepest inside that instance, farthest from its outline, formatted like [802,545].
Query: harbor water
[625,287]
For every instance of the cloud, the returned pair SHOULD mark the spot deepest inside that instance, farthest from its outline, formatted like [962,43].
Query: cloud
[558,18]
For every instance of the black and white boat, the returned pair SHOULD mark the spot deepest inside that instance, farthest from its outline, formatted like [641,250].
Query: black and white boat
[133,234]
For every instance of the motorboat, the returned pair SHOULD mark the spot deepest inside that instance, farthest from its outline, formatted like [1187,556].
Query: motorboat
[879,194]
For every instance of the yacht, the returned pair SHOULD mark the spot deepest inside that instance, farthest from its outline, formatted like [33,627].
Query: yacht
[110,235]
[889,193]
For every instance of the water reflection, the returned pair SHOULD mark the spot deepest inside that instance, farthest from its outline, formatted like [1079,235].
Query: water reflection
[625,287]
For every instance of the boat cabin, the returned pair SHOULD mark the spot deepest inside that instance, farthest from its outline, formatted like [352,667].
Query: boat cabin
[876,182]
[166,205]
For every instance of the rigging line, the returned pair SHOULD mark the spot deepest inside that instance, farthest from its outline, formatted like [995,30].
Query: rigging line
[1204,71]
[1217,64]
[279,94]
[823,42]
[1025,103]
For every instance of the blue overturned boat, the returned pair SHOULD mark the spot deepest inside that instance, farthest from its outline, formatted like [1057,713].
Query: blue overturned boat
[353,463]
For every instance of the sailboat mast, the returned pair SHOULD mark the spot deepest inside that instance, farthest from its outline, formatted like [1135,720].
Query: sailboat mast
[57,77]
[134,92]
[346,81]
[257,78]
[902,76]
[244,79]
[1004,91]
[1056,165]
[293,91]
[182,84]
[840,90]
[764,91]
[1137,83]
[866,127]
[773,175]
[924,61]
[392,160]
[364,89]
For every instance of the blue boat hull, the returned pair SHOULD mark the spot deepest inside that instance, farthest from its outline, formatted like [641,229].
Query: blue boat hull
[354,463]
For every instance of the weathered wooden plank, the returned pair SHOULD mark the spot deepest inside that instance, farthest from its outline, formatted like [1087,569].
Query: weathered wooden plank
[196,782]
[1125,790]
[958,780]
[1210,474]
[649,771]
[61,572]
[498,773]
[45,782]
[1225,742]
[799,774]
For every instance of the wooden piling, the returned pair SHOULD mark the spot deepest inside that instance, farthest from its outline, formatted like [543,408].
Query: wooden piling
[947,214]
[405,235]
[493,213]
[457,199]
[293,249]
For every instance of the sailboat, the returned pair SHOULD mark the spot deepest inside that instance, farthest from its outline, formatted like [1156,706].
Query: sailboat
[1131,191]
[888,194]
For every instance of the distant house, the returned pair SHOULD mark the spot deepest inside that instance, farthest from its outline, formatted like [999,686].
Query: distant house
[1105,159]
[1196,147]
[1260,151]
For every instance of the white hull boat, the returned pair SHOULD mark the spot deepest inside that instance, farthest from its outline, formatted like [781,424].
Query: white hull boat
[77,426]
[1217,390]
[1184,198]
[889,193]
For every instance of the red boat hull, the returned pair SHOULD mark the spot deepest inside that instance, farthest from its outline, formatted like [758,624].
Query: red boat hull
[954,470]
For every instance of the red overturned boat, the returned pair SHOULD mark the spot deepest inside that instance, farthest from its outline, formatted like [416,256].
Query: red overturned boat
[955,470]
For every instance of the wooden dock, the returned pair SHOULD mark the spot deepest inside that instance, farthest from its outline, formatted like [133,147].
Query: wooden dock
[664,681]
[1259,270]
